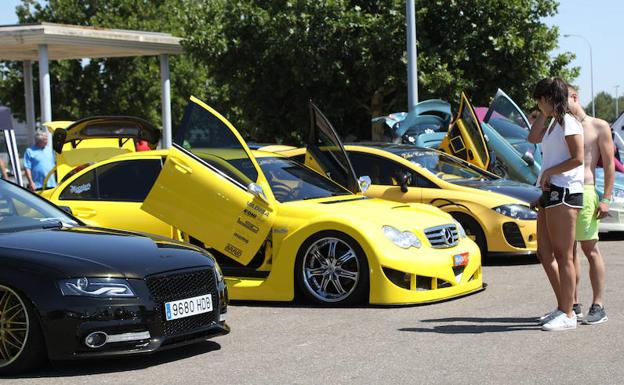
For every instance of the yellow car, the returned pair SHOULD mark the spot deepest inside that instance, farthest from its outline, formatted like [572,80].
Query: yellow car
[495,212]
[275,225]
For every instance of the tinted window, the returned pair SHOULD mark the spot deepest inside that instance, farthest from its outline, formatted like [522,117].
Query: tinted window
[128,181]
[207,137]
[474,131]
[383,171]
[291,181]
[82,188]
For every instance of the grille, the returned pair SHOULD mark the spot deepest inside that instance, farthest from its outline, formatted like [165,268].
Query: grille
[513,235]
[441,237]
[175,286]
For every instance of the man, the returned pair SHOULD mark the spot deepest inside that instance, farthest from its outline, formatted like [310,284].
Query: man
[598,144]
[38,161]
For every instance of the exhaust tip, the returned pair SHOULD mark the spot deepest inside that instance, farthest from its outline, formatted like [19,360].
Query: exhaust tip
[96,340]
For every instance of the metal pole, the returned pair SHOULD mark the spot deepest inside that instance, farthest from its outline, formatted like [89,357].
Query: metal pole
[591,69]
[412,57]
[165,100]
[44,85]
[29,97]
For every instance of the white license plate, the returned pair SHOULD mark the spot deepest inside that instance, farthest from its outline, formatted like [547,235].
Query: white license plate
[188,307]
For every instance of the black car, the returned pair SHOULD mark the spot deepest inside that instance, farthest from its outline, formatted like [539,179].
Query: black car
[70,291]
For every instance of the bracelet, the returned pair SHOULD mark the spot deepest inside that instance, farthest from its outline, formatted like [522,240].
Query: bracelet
[606,200]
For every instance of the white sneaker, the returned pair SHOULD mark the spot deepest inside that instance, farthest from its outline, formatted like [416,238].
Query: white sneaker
[548,316]
[559,322]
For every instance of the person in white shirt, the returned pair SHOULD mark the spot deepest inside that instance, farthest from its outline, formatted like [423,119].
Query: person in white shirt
[561,181]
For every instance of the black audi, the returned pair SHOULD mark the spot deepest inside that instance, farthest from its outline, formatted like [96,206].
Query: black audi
[69,291]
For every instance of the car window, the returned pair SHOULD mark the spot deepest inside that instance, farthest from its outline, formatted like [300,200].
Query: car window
[474,131]
[383,171]
[125,181]
[82,188]
[207,137]
[128,181]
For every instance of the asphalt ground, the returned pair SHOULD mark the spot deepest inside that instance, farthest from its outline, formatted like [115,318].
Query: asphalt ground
[490,337]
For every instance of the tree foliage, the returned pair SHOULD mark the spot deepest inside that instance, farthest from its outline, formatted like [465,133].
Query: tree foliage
[260,62]
[605,106]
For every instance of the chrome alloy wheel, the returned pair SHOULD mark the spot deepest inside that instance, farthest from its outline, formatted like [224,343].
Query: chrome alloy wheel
[331,269]
[13,326]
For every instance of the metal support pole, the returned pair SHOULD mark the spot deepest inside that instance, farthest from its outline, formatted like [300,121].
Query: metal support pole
[29,96]
[165,100]
[412,57]
[44,85]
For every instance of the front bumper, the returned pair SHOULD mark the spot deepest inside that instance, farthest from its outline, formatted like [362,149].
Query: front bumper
[66,326]
[430,277]
[512,237]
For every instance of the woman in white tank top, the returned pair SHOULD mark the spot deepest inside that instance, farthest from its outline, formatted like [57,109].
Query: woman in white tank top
[561,180]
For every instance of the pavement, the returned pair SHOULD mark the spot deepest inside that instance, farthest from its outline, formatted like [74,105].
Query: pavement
[490,337]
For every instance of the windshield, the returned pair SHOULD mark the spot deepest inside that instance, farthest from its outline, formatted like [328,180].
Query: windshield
[291,181]
[445,167]
[21,210]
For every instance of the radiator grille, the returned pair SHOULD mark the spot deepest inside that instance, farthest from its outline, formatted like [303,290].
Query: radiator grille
[441,237]
[181,285]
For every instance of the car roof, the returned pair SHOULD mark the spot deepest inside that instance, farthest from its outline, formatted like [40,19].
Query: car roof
[394,148]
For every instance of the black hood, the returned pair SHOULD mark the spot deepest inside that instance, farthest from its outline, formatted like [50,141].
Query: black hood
[97,252]
[518,190]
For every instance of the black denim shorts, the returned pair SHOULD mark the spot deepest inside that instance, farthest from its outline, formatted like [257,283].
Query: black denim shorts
[560,196]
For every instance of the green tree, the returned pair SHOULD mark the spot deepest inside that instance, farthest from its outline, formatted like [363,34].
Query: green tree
[605,106]
[102,86]
[349,56]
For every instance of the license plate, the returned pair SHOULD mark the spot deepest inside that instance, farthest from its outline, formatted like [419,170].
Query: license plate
[460,259]
[188,307]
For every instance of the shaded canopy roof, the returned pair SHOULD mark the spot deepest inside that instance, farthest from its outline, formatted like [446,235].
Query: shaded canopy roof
[21,42]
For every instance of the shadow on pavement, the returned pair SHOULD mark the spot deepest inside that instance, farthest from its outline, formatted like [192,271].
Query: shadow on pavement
[475,325]
[612,236]
[119,364]
[510,260]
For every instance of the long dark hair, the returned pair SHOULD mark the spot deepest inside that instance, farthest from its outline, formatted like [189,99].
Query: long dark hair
[555,90]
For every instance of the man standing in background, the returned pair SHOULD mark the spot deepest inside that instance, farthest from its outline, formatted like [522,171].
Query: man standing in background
[38,161]
[598,144]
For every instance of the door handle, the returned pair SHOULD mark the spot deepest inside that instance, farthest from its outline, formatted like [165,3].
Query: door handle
[181,166]
[81,212]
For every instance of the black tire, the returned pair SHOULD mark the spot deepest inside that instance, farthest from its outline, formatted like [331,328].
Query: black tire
[338,275]
[30,353]
[474,231]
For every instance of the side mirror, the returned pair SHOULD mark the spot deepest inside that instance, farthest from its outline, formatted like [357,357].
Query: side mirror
[67,209]
[257,191]
[404,180]
[528,158]
[364,182]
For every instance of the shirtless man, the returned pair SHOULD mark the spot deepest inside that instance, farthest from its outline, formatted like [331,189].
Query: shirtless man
[598,144]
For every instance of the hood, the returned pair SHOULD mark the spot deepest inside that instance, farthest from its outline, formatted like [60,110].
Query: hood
[96,252]
[522,191]
[379,212]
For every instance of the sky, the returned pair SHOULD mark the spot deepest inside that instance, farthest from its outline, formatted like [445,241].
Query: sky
[598,21]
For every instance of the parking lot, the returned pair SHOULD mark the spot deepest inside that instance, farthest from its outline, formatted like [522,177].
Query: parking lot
[490,337]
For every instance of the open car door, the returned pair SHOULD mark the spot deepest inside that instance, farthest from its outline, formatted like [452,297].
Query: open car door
[465,138]
[212,188]
[326,154]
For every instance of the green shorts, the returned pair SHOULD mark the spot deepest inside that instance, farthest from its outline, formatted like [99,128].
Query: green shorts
[587,222]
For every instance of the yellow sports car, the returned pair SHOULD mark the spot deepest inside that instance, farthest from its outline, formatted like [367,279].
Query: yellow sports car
[275,225]
[495,212]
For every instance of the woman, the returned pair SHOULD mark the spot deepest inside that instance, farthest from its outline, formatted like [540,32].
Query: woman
[561,181]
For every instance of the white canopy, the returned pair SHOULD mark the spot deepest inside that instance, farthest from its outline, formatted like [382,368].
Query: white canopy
[49,41]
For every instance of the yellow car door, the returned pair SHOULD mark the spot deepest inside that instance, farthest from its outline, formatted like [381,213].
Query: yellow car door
[109,194]
[326,154]
[465,138]
[212,188]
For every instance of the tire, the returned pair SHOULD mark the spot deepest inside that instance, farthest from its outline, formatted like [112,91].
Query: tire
[473,231]
[21,340]
[332,270]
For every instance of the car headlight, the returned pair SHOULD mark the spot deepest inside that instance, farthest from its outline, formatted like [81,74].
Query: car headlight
[516,211]
[403,239]
[96,287]
[460,230]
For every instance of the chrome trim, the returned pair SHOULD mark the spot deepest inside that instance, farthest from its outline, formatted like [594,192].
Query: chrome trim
[442,237]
